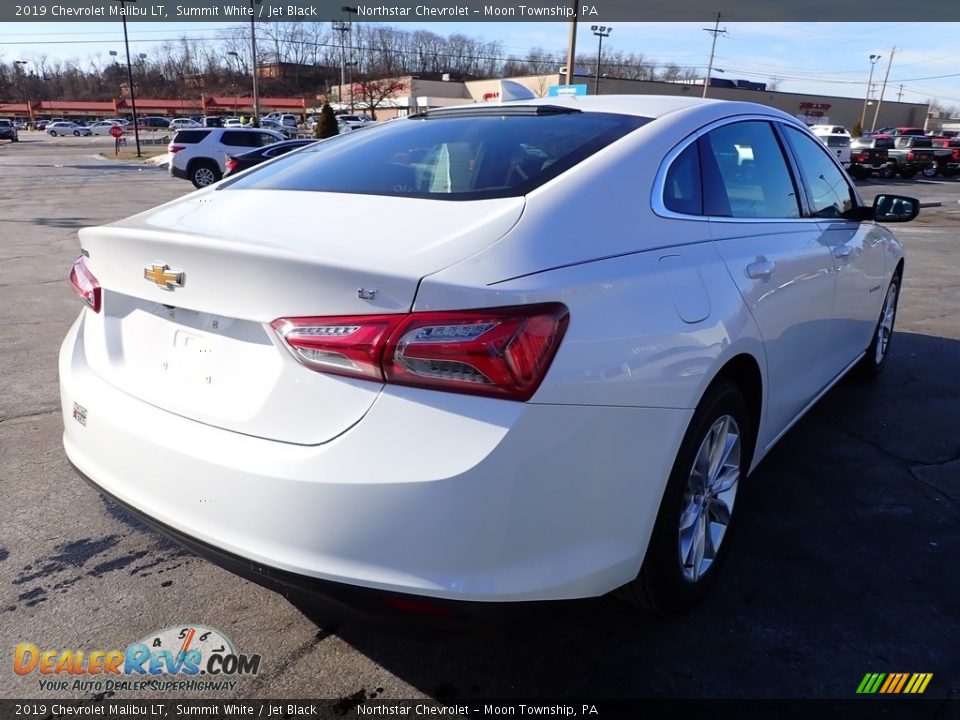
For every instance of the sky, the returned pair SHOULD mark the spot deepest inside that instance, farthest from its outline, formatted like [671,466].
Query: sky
[816,58]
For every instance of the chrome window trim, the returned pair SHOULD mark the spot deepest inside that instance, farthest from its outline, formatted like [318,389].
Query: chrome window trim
[659,182]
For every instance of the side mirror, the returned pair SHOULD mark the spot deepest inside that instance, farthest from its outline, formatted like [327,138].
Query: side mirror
[895,208]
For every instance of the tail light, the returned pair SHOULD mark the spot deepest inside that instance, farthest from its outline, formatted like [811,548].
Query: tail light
[910,156]
[956,155]
[231,163]
[176,148]
[501,352]
[860,157]
[85,284]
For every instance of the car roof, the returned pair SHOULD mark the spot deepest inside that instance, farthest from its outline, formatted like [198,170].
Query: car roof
[648,106]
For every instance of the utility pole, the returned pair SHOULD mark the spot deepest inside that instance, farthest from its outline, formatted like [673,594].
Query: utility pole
[571,44]
[715,30]
[343,29]
[900,93]
[883,88]
[133,100]
[253,59]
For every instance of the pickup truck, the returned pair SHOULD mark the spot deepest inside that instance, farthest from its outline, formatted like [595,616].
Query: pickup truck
[869,155]
[947,151]
[912,154]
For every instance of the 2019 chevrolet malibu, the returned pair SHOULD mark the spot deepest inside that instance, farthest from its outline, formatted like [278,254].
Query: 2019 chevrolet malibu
[504,352]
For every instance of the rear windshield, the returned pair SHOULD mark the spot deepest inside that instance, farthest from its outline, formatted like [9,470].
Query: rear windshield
[190,137]
[837,141]
[467,156]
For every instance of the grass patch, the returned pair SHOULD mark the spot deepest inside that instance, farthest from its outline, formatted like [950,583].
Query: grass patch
[130,153]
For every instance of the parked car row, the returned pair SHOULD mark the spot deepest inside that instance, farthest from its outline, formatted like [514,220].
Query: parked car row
[892,151]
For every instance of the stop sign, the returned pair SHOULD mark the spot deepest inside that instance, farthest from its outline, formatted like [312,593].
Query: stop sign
[116,131]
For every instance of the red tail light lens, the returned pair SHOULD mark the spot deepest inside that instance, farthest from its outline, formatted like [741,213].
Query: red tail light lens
[341,345]
[173,149]
[860,157]
[85,284]
[910,156]
[956,154]
[501,352]
[231,164]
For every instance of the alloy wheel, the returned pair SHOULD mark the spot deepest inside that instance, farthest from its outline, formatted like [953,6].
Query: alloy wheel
[885,326]
[709,497]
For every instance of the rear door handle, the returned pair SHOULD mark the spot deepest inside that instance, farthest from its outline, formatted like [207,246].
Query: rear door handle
[761,270]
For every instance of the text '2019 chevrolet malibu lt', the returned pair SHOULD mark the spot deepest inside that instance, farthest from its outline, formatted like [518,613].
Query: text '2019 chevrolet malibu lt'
[508,352]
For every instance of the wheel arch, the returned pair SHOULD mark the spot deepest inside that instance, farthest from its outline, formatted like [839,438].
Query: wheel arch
[743,369]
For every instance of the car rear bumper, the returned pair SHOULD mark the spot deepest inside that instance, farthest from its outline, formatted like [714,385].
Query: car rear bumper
[431,494]
[177,172]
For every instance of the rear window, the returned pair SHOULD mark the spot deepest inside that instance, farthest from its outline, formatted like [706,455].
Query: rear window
[469,155]
[190,137]
[247,138]
[835,141]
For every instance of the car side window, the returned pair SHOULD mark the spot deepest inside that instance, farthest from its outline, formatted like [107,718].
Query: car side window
[682,188]
[746,174]
[830,193]
[265,139]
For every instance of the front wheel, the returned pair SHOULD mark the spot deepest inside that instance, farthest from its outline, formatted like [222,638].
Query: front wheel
[690,537]
[930,170]
[876,356]
[76,133]
[887,171]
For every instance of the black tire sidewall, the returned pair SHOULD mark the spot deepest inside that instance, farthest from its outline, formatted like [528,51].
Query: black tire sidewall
[199,166]
[662,573]
[870,364]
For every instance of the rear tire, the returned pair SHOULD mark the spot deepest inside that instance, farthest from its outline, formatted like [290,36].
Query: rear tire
[930,170]
[204,173]
[691,535]
[878,351]
[76,133]
[887,171]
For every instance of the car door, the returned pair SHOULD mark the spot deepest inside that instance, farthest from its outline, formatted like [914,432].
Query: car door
[857,247]
[776,257]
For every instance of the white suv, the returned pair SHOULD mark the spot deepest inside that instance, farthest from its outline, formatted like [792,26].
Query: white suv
[199,155]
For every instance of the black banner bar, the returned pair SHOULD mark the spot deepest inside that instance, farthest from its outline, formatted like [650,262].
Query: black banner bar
[358,706]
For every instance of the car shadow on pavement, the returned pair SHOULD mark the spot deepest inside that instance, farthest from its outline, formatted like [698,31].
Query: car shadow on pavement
[839,567]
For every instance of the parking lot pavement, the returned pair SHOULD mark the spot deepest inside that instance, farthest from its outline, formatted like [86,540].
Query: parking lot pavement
[844,560]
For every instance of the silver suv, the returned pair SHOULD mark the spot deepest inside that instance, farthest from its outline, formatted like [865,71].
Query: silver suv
[199,154]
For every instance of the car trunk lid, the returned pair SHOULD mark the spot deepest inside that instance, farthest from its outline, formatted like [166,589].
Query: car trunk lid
[189,290]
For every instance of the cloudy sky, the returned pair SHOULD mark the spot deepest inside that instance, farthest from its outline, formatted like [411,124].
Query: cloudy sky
[817,58]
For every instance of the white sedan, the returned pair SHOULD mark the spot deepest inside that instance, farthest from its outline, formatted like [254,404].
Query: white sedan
[103,127]
[67,128]
[184,124]
[568,331]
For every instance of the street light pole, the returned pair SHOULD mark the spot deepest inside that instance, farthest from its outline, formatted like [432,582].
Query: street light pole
[236,57]
[601,31]
[866,98]
[133,100]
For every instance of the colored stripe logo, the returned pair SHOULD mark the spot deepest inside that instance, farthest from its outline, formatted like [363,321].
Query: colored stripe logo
[894,683]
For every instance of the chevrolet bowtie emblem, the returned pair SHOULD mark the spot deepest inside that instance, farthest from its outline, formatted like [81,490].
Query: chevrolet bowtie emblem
[163,276]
